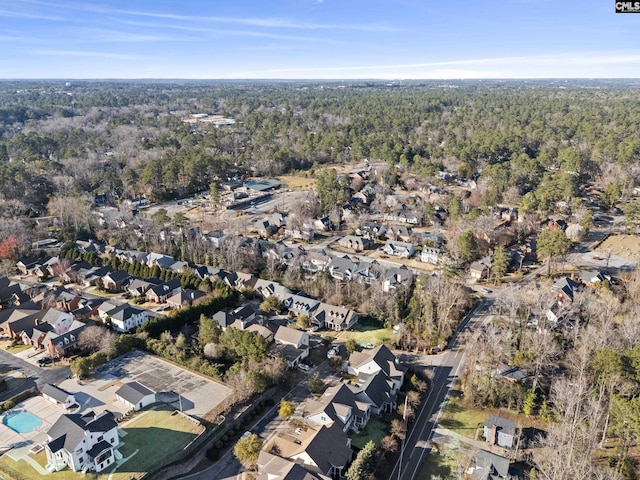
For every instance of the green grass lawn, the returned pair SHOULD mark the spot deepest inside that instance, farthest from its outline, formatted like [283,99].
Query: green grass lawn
[461,418]
[375,430]
[18,348]
[369,334]
[151,440]
[102,293]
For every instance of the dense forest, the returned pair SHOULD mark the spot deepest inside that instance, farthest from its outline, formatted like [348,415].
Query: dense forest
[535,142]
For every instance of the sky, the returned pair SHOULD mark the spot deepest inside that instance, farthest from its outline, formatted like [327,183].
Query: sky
[317,39]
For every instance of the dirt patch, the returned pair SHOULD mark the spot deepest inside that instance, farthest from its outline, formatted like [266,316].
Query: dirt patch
[627,246]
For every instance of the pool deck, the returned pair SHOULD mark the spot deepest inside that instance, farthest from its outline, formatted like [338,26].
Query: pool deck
[21,443]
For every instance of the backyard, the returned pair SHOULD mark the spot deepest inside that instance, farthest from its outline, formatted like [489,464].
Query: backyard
[368,334]
[376,429]
[149,440]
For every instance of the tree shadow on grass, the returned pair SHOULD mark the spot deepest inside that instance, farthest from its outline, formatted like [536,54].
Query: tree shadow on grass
[155,447]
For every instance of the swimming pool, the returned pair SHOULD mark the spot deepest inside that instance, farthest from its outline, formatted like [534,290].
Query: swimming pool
[21,421]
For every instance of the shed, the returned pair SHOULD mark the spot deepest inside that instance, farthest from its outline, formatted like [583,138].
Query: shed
[135,395]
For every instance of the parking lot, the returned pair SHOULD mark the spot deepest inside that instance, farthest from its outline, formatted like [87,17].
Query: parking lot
[194,394]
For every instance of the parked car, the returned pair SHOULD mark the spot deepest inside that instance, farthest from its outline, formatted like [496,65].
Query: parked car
[303,366]
[315,328]
[332,352]
[367,345]
[44,361]
[246,434]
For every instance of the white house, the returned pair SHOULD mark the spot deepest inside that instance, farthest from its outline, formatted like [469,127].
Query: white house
[135,395]
[430,255]
[58,396]
[399,249]
[379,359]
[82,442]
[291,344]
[127,317]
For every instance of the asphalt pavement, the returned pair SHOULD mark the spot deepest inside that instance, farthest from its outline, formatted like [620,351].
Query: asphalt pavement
[446,367]
[36,376]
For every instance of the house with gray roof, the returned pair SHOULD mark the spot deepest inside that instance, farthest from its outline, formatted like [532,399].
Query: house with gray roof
[338,404]
[334,318]
[135,395]
[58,396]
[271,467]
[489,466]
[500,431]
[82,442]
[291,344]
[325,450]
[126,317]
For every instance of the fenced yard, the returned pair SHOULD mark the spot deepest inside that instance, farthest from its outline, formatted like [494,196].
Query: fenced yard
[148,441]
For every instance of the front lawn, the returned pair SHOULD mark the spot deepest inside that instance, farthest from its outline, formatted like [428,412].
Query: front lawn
[461,418]
[151,439]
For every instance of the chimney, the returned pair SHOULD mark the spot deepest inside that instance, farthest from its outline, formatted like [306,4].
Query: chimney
[493,438]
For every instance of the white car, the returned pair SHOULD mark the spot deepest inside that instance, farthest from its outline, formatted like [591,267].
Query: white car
[246,434]
[303,366]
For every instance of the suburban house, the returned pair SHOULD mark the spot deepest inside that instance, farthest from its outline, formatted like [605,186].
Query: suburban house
[334,318]
[399,249]
[184,298]
[263,331]
[300,305]
[338,405]
[58,396]
[377,390]
[355,243]
[565,289]
[376,360]
[105,309]
[393,278]
[489,466]
[430,255]
[139,287]
[291,344]
[115,281]
[325,450]
[315,261]
[240,317]
[480,269]
[266,288]
[26,265]
[63,344]
[500,431]
[400,233]
[160,293]
[342,268]
[135,395]
[272,467]
[126,317]
[90,276]
[591,277]
[82,442]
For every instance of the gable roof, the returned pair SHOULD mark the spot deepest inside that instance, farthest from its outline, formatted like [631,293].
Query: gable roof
[271,466]
[289,335]
[490,466]
[383,357]
[133,392]
[55,392]
[504,424]
[68,431]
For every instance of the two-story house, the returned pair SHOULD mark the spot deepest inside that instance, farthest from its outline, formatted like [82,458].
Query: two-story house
[82,442]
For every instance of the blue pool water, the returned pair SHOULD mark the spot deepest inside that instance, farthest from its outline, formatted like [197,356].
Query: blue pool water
[22,421]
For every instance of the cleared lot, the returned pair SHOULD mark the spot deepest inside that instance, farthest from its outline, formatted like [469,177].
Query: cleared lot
[196,395]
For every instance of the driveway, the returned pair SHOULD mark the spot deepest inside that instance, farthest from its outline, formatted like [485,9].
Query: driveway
[36,376]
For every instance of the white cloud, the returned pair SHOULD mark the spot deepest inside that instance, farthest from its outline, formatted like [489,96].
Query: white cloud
[82,53]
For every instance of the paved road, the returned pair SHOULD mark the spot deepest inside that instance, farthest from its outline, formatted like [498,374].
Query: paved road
[36,376]
[446,367]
